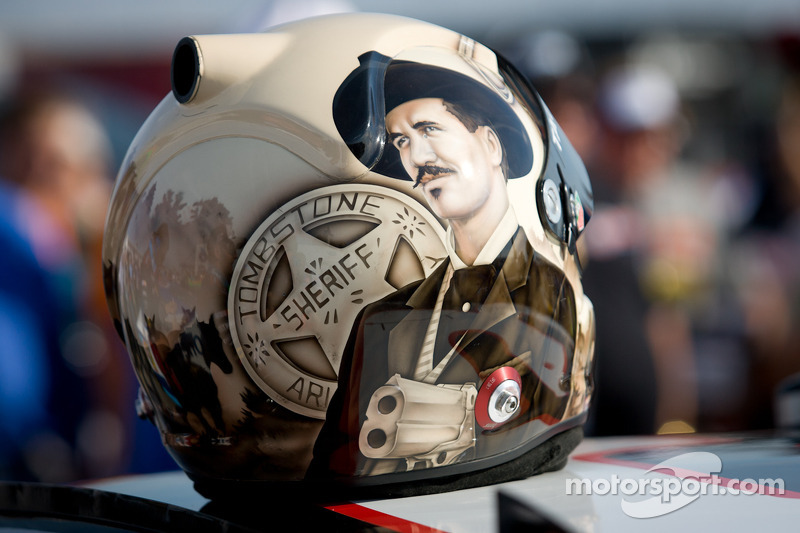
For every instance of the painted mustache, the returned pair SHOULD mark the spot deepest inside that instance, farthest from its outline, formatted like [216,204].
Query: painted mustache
[430,172]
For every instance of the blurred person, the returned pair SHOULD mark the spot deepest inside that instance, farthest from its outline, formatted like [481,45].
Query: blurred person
[29,333]
[560,67]
[54,156]
[652,259]
[766,262]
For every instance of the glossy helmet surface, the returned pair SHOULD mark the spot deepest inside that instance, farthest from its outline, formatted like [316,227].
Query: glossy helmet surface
[286,252]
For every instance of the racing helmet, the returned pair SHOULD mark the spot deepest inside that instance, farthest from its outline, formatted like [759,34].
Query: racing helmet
[342,253]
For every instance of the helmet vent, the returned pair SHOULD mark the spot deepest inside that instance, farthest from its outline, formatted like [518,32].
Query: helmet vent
[185,70]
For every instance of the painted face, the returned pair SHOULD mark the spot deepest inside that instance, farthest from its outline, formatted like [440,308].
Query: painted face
[458,170]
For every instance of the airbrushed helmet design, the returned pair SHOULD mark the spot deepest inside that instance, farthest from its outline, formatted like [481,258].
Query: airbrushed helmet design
[342,253]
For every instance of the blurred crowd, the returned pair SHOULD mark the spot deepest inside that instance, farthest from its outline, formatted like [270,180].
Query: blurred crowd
[692,256]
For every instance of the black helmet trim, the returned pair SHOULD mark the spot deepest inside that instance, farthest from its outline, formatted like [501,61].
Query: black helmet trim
[379,84]
[564,197]
[547,452]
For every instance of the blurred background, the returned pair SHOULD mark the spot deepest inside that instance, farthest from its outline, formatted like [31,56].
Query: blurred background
[687,115]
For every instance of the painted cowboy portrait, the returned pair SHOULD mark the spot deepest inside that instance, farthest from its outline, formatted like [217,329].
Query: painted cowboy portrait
[492,303]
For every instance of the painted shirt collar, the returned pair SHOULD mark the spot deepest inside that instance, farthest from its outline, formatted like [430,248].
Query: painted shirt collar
[502,234]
